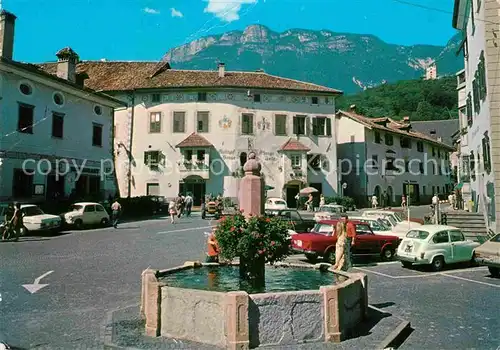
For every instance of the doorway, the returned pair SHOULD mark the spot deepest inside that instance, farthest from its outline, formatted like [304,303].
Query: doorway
[55,186]
[196,187]
[390,196]
[291,192]
[412,192]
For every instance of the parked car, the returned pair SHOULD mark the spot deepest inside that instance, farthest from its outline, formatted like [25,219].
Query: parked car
[435,245]
[297,222]
[86,213]
[34,219]
[320,242]
[401,223]
[488,254]
[379,226]
[404,215]
[329,212]
[275,204]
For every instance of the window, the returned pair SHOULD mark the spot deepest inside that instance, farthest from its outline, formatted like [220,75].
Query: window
[420,146]
[296,160]
[472,165]
[89,209]
[155,122]
[97,135]
[243,158]
[247,124]
[433,151]
[256,98]
[389,140]
[405,142]
[188,155]
[179,121]
[200,155]
[58,99]
[319,126]
[97,110]
[362,229]
[478,6]
[424,190]
[486,153]
[327,101]
[22,183]
[152,189]
[441,237]
[468,105]
[475,94]
[421,169]
[374,161]
[482,77]
[377,137]
[99,208]
[202,121]
[280,125]
[156,98]
[202,96]
[25,119]
[299,125]
[314,100]
[439,153]
[25,89]
[389,164]
[152,159]
[407,166]
[314,161]
[57,125]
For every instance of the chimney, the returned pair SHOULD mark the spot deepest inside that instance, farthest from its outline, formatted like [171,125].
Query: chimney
[7,23]
[222,70]
[66,64]
[352,108]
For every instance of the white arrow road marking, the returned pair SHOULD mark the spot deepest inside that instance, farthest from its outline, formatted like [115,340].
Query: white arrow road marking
[36,286]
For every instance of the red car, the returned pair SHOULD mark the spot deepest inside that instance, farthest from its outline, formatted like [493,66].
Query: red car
[320,242]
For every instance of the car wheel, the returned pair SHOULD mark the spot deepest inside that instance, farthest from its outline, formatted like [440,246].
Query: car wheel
[24,232]
[104,222]
[406,264]
[388,253]
[494,271]
[78,224]
[330,257]
[437,263]
[312,258]
[473,262]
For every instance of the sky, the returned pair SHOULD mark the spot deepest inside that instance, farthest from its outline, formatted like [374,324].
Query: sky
[147,29]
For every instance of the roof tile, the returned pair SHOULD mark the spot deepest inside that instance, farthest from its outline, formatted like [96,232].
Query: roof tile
[118,76]
[294,145]
[194,140]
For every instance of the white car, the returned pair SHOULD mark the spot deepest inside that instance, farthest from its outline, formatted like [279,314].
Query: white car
[379,226]
[34,219]
[401,223]
[275,204]
[86,213]
[435,245]
[329,211]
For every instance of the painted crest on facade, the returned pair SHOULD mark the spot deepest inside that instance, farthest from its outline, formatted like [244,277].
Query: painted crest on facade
[264,124]
[225,123]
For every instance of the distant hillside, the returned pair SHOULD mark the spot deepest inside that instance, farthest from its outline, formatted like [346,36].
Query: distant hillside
[349,62]
[419,99]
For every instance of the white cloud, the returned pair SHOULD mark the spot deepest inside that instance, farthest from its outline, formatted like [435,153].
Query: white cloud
[227,11]
[176,13]
[151,11]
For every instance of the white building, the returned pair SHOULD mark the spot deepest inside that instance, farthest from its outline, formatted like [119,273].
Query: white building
[431,72]
[51,122]
[380,155]
[478,21]
[191,131]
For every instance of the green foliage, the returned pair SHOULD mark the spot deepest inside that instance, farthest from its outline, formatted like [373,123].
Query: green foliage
[346,202]
[258,237]
[418,99]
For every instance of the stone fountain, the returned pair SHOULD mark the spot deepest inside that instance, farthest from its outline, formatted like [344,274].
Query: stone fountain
[291,303]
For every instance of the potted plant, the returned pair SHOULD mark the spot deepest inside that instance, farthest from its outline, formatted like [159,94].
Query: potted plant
[255,241]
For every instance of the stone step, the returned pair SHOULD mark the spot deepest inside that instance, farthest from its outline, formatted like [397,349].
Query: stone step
[466,223]
[464,214]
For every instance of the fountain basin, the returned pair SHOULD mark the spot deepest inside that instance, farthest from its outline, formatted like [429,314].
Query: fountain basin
[186,303]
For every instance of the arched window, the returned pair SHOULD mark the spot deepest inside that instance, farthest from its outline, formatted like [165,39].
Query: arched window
[243,158]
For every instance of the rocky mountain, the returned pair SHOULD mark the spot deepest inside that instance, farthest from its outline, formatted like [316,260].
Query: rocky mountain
[350,62]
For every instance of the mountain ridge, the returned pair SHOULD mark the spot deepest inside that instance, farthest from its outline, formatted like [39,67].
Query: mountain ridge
[345,61]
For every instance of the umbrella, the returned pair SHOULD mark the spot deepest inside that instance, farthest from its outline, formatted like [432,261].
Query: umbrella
[308,190]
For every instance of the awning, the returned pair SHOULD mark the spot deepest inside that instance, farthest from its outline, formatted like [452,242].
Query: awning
[459,186]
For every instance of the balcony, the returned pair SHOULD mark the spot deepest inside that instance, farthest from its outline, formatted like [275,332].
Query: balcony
[295,174]
[195,167]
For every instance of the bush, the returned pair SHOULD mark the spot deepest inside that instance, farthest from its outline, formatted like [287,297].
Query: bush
[259,237]
[346,202]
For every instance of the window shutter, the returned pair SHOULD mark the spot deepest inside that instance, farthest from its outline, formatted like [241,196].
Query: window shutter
[146,160]
[315,126]
[295,125]
[328,127]
[307,126]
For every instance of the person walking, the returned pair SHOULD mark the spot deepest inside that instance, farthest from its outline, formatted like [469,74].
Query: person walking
[172,209]
[9,214]
[321,200]
[188,203]
[309,203]
[116,209]
[17,221]
[351,238]
[179,205]
[403,202]
[341,254]
[213,249]
[374,202]
[297,200]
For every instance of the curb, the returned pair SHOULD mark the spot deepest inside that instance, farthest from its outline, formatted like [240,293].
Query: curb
[397,336]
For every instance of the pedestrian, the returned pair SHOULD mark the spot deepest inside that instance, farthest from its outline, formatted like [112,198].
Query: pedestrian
[403,202]
[351,238]
[17,221]
[297,200]
[309,203]
[179,205]
[321,200]
[374,202]
[212,249]
[9,214]
[188,202]
[172,211]
[116,209]
[451,201]
[341,247]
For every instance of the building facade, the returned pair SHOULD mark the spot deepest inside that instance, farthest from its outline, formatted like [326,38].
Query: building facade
[56,135]
[480,133]
[191,131]
[385,158]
